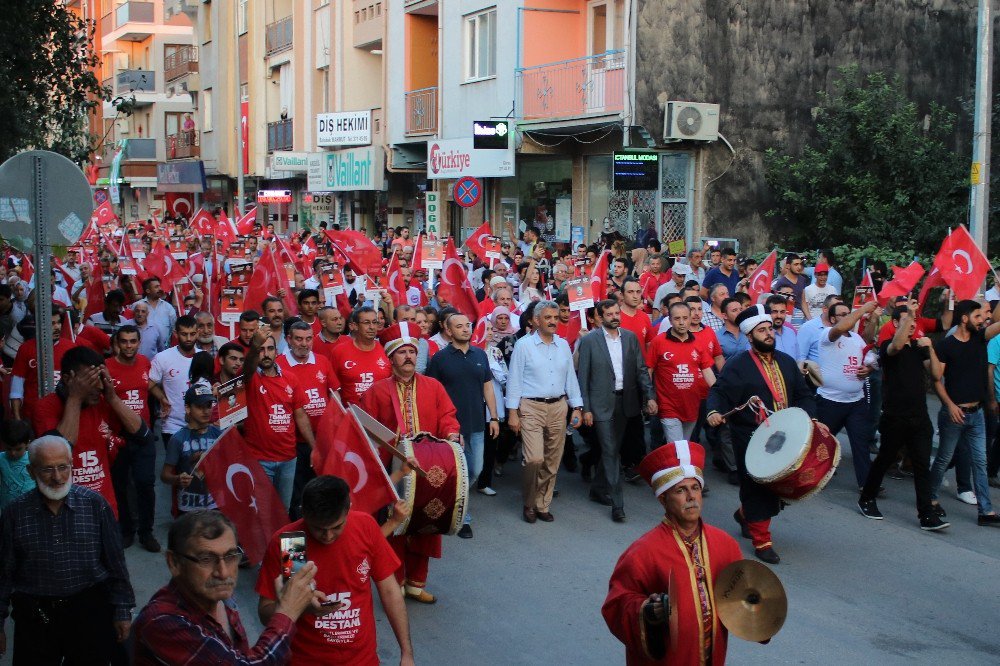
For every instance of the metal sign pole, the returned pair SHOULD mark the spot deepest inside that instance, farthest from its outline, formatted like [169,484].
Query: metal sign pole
[43,279]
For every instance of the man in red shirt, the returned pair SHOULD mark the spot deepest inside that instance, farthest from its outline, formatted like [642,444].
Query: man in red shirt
[360,361]
[24,375]
[135,465]
[349,552]
[308,305]
[275,410]
[331,332]
[317,380]
[248,324]
[681,372]
[86,411]
[658,275]
[633,317]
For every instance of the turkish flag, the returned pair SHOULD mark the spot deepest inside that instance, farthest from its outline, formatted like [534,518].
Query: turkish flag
[364,254]
[179,204]
[902,283]
[962,264]
[599,276]
[932,280]
[27,268]
[265,281]
[479,338]
[103,214]
[244,225]
[394,281]
[160,264]
[203,223]
[479,240]
[760,279]
[417,262]
[455,287]
[243,492]
[343,449]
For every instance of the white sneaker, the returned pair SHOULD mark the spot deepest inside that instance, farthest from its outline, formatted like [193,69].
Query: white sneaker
[489,492]
[968,497]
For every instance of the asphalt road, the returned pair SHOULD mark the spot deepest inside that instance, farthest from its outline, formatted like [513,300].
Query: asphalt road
[860,591]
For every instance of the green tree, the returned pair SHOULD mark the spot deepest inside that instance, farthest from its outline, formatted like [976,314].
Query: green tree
[47,82]
[873,175]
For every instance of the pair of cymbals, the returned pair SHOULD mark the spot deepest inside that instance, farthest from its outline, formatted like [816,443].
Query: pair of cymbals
[750,600]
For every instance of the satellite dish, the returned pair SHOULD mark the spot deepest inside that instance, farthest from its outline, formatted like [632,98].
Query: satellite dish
[62,193]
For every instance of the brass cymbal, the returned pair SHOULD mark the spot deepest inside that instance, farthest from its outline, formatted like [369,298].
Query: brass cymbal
[750,600]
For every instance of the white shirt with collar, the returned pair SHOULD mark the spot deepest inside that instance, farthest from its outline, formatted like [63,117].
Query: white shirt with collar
[614,343]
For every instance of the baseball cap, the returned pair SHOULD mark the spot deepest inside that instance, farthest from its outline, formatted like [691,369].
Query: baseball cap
[199,394]
[682,269]
[822,268]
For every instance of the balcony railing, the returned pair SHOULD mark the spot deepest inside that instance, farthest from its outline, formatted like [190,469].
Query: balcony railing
[139,80]
[133,12]
[182,61]
[278,36]
[583,86]
[421,111]
[184,144]
[279,135]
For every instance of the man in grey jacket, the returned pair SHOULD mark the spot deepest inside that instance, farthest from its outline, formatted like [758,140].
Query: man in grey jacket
[615,386]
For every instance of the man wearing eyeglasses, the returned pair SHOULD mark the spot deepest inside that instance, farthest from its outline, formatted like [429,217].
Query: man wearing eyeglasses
[189,621]
[62,566]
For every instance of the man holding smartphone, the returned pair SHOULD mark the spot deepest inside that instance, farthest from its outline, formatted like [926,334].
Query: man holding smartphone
[349,552]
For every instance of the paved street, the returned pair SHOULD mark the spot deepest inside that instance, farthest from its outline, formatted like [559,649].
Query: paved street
[860,591]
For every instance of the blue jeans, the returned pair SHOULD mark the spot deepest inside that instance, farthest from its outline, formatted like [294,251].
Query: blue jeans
[970,435]
[474,461]
[282,476]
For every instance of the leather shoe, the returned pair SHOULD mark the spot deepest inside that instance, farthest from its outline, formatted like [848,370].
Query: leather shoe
[465,532]
[618,515]
[989,519]
[767,555]
[744,528]
[150,543]
[733,478]
[603,500]
[545,516]
[529,515]
[419,594]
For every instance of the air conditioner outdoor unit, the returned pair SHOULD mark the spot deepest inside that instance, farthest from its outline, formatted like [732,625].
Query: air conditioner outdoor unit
[691,121]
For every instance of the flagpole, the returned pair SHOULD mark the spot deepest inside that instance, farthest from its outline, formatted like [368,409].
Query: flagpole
[979,191]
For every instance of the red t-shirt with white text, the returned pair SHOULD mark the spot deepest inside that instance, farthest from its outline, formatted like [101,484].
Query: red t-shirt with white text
[345,570]
[132,383]
[26,367]
[317,380]
[357,370]
[677,376]
[270,426]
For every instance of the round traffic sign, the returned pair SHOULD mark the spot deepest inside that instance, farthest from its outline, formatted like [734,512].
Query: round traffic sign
[468,191]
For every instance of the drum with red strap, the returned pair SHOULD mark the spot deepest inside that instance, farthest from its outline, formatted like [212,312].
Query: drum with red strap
[436,502]
[791,456]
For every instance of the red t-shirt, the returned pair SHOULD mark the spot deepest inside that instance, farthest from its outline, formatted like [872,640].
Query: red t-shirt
[650,283]
[132,383]
[323,348]
[677,376]
[317,380]
[26,367]
[93,337]
[357,370]
[641,325]
[270,425]
[345,570]
[925,325]
[96,445]
[709,343]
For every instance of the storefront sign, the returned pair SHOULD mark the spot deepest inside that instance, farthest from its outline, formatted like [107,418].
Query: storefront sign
[347,170]
[320,202]
[286,161]
[454,158]
[636,171]
[274,196]
[491,135]
[350,128]
[180,176]
[431,201]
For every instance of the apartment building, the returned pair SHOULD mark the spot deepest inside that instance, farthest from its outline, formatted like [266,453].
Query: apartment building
[141,47]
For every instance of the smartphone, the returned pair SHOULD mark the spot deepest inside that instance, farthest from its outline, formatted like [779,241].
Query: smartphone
[713,243]
[293,552]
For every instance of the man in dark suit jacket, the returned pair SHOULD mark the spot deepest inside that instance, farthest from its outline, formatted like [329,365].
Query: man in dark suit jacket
[615,385]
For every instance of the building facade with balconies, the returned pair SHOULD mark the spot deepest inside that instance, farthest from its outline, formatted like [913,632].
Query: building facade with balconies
[147,60]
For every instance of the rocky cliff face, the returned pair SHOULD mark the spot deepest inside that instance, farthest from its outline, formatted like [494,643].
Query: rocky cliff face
[765,60]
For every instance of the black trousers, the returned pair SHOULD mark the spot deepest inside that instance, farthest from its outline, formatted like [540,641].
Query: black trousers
[633,448]
[135,467]
[303,474]
[75,631]
[610,434]
[913,433]
[490,445]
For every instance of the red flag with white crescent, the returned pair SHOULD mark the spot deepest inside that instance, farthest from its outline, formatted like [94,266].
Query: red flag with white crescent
[394,281]
[962,264]
[244,225]
[760,280]
[363,253]
[203,223]
[103,214]
[933,279]
[477,241]
[903,281]
[455,286]
[599,276]
[243,492]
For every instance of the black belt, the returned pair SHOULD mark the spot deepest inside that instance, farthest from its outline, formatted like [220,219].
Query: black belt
[971,410]
[547,401]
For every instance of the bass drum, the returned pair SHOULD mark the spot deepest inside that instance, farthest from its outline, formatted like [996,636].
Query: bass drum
[437,503]
[791,456]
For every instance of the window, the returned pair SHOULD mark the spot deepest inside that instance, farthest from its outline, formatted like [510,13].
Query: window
[481,45]
[205,24]
[206,110]
[242,18]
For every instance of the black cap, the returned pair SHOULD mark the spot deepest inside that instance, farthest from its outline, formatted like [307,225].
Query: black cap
[199,394]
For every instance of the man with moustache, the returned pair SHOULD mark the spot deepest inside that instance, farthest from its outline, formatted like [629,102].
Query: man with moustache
[168,376]
[62,567]
[772,377]
[150,342]
[246,327]
[636,609]
[189,620]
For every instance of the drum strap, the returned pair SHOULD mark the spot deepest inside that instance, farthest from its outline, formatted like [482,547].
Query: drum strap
[774,380]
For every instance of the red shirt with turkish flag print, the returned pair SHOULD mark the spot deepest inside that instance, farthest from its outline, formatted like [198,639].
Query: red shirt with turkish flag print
[270,426]
[132,383]
[316,378]
[26,368]
[345,570]
[677,376]
[357,370]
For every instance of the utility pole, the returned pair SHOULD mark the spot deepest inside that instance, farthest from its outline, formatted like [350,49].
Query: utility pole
[979,191]
[239,107]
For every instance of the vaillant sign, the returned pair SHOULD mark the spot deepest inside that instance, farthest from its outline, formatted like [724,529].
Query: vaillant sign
[454,158]
[347,170]
[349,128]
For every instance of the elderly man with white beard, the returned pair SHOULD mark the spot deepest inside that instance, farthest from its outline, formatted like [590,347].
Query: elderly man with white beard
[62,567]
